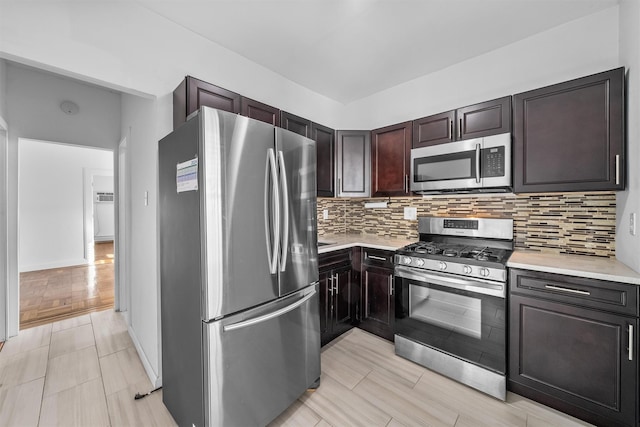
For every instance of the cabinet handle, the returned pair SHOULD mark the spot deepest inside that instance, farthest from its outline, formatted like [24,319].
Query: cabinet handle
[630,342]
[366,294]
[379,258]
[335,283]
[331,285]
[406,183]
[451,129]
[572,291]
[339,186]
[617,169]
[390,285]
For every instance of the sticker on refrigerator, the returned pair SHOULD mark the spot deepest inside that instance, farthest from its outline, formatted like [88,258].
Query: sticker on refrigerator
[187,176]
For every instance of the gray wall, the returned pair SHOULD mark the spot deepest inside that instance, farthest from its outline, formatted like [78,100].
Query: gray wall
[33,111]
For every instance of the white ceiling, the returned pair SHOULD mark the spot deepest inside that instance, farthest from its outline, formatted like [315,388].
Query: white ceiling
[350,49]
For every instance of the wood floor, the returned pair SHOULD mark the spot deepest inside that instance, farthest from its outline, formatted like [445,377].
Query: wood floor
[59,293]
[85,371]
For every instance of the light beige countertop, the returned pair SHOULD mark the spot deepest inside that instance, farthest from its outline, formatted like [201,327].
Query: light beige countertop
[343,241]
[574,265]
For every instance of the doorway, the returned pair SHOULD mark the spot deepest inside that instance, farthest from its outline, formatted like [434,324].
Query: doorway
[65,193]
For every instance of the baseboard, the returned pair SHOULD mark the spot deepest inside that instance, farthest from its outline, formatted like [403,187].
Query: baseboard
[54,264]
[155,379]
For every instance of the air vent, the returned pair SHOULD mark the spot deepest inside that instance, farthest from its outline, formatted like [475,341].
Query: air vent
[104,197]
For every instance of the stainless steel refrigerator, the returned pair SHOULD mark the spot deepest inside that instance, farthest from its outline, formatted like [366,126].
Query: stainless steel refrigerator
[239,274]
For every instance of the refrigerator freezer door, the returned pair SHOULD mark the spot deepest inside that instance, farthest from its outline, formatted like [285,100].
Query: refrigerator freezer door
[260,361]
[298,264]
[239,215]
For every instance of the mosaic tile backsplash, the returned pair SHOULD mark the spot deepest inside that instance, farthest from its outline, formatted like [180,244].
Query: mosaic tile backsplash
[568,223]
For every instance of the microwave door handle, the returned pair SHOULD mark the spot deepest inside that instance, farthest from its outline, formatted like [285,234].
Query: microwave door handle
[478,163]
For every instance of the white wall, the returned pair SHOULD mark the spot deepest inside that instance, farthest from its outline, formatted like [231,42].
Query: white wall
[3,199]
[51,211]
[125,46]
[578,48]
[33,112]
[143,128]
[628,246]
[3,89]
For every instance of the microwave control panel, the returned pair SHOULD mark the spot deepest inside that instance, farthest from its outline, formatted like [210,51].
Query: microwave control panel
[493,162]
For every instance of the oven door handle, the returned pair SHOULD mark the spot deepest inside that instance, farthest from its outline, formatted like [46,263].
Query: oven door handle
[472,285]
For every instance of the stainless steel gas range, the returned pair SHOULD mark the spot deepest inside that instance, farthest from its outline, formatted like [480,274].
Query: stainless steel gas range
[451,300]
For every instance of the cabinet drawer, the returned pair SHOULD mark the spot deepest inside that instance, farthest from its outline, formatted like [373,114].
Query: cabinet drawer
[334,259]
[603,295]
[377,257]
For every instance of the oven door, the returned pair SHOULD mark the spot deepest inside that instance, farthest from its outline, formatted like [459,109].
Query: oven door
[459,316]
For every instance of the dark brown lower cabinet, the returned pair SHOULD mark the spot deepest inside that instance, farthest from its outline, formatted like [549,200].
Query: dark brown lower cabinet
[377,301]
[573,345]
[377,308]
[337,288]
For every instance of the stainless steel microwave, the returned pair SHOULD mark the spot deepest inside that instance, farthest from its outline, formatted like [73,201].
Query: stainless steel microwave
[473,165]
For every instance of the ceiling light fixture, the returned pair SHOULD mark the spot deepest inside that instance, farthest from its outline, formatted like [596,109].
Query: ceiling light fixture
[69,107]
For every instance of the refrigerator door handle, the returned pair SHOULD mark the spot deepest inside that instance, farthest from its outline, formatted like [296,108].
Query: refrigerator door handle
[269,316]
[272,239]
[285,198]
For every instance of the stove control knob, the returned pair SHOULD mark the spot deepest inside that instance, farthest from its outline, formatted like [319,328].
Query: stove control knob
[484,272]
[442,265]
[406,260]
[466,269]
[420,262]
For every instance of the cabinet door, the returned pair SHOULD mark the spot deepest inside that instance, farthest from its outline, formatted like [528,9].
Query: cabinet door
[378,301]
[343,305]
[325,306]
[483,119]
[574,359]
[296,124]
[353,163]
[325,141]
[259,111]
[570,136]
[390,160]
[434,130]
[192,94]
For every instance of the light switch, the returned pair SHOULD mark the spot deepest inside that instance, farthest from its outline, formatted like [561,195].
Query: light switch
[146,198]
[632,223]
[325,214]
[411,214]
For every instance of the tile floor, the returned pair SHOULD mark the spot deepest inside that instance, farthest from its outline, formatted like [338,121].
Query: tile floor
[82,371]
[85,371]
[364,383]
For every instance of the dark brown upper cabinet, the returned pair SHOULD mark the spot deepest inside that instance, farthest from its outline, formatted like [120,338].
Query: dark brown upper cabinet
[570,136]
[259,111]
[192,94]
[325,143]
[391,160]
[296,124]
[473,121]
[353,163]
[325,139]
